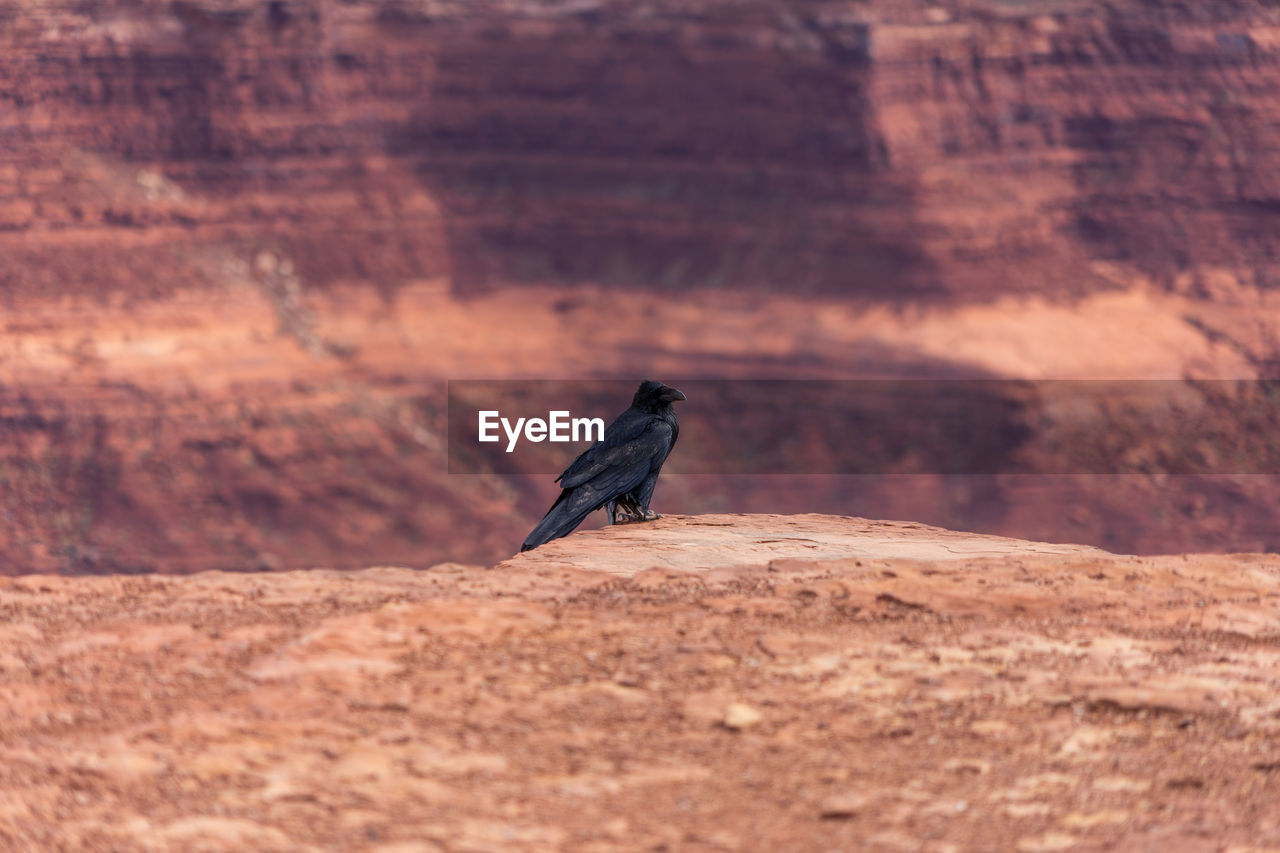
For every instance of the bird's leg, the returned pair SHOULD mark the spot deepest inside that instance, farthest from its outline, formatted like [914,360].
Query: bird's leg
[635,512]
[624,509]
[629,510]
[636,519]
[612,509]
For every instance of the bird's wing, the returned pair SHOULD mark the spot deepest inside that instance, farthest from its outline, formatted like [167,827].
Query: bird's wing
[627,443]
[604,467]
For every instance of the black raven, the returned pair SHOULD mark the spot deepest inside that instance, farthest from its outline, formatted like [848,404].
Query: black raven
[620,470]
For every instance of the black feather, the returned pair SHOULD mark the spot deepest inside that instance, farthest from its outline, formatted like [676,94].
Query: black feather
[619,470]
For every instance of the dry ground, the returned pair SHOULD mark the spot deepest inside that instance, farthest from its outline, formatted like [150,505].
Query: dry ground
[778,683]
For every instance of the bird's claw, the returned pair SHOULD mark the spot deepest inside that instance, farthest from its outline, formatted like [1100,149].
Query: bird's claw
[648,515]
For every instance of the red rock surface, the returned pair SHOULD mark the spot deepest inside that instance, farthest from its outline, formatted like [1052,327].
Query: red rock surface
[997,695]
[705,542]
[245,245]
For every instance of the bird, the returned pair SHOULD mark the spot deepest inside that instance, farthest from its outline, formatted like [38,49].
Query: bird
[620,470]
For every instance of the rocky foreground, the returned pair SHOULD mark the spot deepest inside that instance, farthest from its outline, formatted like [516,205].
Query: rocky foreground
[698,683]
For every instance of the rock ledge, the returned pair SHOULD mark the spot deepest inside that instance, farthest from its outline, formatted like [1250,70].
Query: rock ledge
[698,683]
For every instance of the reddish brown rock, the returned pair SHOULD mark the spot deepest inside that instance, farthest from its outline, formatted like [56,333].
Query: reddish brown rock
[1022,696]
[677,544]
[246,244]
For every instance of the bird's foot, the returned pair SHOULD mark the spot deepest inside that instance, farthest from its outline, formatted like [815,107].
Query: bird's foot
[630,518]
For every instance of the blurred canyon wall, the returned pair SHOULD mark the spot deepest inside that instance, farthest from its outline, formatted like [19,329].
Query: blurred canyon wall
[244,245]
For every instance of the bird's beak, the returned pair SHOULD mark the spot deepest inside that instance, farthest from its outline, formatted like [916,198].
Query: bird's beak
[673,395]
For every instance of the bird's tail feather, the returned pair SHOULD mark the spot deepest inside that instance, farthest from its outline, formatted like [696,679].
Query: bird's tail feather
[561,520]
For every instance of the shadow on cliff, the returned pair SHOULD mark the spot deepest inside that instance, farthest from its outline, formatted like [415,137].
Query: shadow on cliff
[667,152]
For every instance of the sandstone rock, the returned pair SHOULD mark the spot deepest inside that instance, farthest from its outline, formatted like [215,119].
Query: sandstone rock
[249,244]
[739,716]
[842,806]
[1024,703]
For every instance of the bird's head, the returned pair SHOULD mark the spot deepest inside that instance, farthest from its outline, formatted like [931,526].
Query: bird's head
[654,395]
